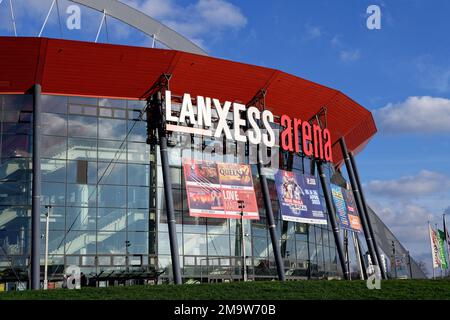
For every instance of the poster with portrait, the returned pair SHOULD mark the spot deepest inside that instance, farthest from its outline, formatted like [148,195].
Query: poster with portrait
[298,195]
[215,189]
[345,209]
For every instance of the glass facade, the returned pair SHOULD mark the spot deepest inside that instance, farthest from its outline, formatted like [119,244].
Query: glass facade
[104,185]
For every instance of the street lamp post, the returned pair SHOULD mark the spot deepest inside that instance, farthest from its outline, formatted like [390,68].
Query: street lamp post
[241,206]
[127,253]
[47,222]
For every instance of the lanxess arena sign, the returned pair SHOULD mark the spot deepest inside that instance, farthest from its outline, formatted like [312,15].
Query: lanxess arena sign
[316,142]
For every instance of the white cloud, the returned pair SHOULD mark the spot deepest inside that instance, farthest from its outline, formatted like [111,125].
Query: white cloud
[408,215]
[424,183]
[336,41]
[415,115]
[432,76]
[220,13]
[313,32]
[346,54]
[407,203]
[201,21]
[350,55]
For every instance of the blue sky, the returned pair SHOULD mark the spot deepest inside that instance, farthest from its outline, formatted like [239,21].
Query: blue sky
[400,72]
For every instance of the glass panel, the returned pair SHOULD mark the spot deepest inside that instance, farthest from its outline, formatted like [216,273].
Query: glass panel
[112,129]
[88,261]
[53,170]
[57,219]
[81,218]
[164,243]
[119,261]
[15,169]
[80,242]
[218,245]
[138,131]
[138,220]
[112,150]
[83,100]
[82,127]
[55,243]
[104,261]
[111,219]
[54,104]
[138,152]
[260,247]
[194,224]
[111,242]
[302,250]
[217,225]
[16,146]
[138,197]
[194,244]
[112,173]
[82,149]
[117,103]
[53,193]
[18,101]
[84,110]
[81,195]
[119,113]
[106,112]
[54,124]
[136,104]
[138,174]
[73,260]
[15,121]
[54,147]
[112,196]
[76,171]
[138,242]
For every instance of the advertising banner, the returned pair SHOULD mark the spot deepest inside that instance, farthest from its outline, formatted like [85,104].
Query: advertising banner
[299,199]
[441,241]
[214,189]
[434,248]
[345,209]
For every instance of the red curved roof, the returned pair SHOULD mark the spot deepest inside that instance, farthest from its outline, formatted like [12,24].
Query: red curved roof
[103,70]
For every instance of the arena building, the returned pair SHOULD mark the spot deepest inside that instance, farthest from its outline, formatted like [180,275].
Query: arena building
[86,138]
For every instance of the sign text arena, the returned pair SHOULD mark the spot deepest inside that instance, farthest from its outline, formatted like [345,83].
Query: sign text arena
[245,124]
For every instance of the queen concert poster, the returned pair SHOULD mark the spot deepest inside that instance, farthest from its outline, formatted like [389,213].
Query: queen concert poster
[299,199]
[215,189]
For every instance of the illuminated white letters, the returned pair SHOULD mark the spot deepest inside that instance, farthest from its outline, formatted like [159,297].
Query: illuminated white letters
[204,111]
[238,109]
[187,109]
[222,113]
[269,137]
[254,134]
[169,116]
[374,20]
[74,20]
[198,119]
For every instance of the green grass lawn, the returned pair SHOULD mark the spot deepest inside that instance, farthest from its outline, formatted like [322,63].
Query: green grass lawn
[265,290]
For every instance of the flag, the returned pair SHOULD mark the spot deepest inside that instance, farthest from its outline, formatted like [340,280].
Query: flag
[447,237]
[441,243]
[434,248]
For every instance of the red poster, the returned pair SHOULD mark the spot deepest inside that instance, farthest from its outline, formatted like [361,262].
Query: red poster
[214,189]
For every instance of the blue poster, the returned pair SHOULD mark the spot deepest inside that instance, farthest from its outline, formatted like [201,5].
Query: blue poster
[299,199]
[345,209]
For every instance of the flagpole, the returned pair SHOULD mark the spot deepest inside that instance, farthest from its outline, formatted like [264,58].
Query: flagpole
[447,243]
[437,233]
